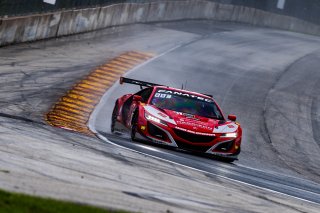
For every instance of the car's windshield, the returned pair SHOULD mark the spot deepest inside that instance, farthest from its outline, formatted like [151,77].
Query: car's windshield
[186,103]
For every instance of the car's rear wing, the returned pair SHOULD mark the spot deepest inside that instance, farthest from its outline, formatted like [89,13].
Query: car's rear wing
[143,83]
[137,82]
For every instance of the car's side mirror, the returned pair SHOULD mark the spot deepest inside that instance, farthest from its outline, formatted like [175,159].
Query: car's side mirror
[232,117]
[137,98]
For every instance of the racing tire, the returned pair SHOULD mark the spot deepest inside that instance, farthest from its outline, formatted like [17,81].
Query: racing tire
[227,160]
[114,118]
[134,126]
[230,160]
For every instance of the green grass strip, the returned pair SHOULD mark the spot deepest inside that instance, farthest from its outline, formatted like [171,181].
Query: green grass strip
[20,203]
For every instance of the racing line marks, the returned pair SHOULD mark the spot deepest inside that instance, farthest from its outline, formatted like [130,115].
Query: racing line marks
[73,110]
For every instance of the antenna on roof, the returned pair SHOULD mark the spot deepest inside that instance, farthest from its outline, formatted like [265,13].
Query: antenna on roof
[184,86]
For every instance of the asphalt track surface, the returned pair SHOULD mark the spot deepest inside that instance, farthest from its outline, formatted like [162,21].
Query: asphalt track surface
[268,78]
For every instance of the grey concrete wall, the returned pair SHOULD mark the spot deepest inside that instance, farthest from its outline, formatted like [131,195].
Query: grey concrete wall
[307,10]
[42,26]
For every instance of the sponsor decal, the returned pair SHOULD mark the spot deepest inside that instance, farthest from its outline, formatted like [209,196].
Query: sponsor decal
[158,141]
[194,132]
[143,128]
[162,115]
[194,125]
[162,94]
[50,1]
[230,126]
[156,113]
[219,154]
[186,115]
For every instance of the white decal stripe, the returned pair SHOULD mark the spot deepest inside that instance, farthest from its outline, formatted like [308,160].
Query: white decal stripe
[156,113]
[225,128]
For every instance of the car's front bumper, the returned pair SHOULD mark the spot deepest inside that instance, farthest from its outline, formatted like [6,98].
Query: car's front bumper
[164,135]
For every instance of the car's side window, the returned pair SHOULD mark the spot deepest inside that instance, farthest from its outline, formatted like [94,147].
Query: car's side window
[145,94]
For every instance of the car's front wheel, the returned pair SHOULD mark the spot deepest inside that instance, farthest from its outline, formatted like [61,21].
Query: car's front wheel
[114,117]
[230,160]
[134,126]
[227,160]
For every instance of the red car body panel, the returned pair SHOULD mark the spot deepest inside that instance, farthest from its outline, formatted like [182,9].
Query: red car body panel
[191,132]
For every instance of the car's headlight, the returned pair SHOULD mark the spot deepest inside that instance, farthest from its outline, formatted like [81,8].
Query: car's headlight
[229,135]
[154,119]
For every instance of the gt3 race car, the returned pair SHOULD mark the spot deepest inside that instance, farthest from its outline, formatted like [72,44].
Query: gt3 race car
[177,118]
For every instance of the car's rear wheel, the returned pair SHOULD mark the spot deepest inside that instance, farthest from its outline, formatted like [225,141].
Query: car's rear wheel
[134,126]
[114,117]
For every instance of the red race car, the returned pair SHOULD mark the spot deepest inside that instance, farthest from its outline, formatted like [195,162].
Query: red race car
[177,118]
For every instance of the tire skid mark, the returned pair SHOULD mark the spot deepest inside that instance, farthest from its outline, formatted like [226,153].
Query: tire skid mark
[73,110]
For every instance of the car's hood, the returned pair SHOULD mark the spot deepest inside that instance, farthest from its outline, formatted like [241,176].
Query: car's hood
[193,123]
